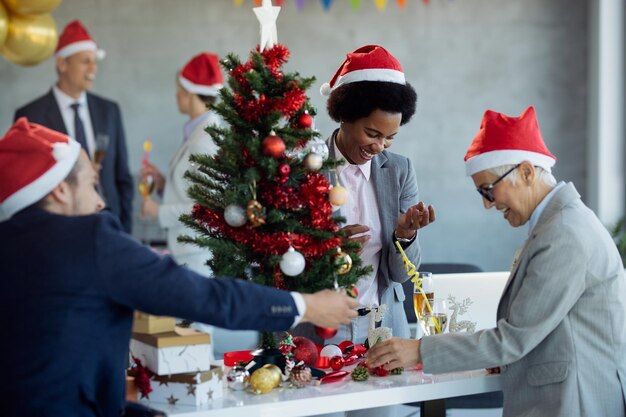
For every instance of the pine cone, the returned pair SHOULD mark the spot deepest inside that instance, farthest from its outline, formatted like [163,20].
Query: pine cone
[300,376]
[397,371]
[360,373]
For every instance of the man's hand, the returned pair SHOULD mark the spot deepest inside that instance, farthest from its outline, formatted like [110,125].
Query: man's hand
[394,353]
[149,209]
[356,232]
[416,217]
[329,308]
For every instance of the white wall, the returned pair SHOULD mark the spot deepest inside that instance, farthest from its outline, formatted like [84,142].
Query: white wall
[462,56]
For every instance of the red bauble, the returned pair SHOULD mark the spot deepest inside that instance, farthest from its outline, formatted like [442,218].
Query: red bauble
[380,371]
[336,362]
[284,169]
[345,345]
[305,351]
[273,146]
[305,120]
[325,332]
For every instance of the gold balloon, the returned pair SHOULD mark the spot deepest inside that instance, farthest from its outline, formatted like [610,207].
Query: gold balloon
[262,381]
[342,262]
[28,7]
[30,39]
[276,373]
[4,24]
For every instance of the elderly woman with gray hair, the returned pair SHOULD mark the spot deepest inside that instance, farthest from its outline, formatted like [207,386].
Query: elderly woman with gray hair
[560,338]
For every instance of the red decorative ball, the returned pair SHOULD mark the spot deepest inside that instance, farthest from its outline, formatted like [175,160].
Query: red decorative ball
[273,146]
[336,362]
[284,169]
[305,351]
[380,371]
[305,120]
[325,332]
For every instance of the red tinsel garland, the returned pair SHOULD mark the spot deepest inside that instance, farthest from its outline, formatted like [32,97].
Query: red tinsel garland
[142,378]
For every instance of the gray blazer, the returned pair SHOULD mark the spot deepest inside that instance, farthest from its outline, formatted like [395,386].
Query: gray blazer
[560,338]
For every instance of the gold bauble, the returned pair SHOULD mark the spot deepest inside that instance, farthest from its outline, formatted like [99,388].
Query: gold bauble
[276,373]
[30,39]
[342,262]
[262,381]
[255,213]
[338,195]
[28,7]
[4,24]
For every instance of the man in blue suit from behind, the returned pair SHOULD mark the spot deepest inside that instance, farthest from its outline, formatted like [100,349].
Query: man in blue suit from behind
[95,122]
[71,278]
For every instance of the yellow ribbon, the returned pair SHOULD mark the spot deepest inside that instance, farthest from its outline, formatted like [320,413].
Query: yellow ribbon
[414,276]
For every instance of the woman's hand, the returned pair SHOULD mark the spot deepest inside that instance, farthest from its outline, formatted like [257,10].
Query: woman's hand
[149,209]
[415,218]
[394,353]
[159,179]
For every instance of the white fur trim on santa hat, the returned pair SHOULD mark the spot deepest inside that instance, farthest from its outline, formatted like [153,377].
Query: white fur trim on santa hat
[203,90]
[66,156]
[495,159]
[75,47]
[371,74]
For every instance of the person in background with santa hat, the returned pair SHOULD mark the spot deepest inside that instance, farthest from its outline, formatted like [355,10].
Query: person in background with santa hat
[72,278]
[93,121]
[560,338]
[370,99]
[197,87]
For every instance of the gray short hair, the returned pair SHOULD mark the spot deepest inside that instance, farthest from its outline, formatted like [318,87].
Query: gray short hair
[542,174]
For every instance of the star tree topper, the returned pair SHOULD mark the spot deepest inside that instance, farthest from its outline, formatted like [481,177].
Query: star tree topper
[267,15]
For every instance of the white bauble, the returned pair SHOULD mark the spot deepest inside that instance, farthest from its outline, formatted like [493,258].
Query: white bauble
[330,351]
[235,215]
[292,262]
[319,147]
[313,161]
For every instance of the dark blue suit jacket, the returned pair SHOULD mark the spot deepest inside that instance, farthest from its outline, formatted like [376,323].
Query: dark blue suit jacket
[67,293]
[115,178]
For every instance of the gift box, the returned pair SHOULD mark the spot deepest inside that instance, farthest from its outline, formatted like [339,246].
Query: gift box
[180,351]
[194,388]
[149,324]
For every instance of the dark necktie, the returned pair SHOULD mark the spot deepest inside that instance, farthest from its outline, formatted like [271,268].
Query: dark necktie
[79,129]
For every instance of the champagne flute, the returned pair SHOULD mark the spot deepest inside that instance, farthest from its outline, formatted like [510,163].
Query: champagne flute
[146,183]
[422,290]
[435,316]
[102,143]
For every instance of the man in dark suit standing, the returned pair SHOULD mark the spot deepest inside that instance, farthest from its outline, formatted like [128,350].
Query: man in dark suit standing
[71,279]
[94,122]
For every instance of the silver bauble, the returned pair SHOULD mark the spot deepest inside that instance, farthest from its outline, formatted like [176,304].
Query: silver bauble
[238,378]
[235,215]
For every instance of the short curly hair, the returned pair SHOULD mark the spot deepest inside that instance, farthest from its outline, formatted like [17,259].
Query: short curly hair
[354,101]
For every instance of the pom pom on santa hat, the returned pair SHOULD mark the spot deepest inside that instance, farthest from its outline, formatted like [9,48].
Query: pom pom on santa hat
[202,75]
[74,39]
[33,161]
[503,140]
[368,63]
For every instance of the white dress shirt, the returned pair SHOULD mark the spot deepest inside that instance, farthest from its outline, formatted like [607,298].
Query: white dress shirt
[64,101]
[362,208]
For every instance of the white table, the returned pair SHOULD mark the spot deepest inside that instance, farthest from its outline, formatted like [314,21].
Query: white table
[411,386]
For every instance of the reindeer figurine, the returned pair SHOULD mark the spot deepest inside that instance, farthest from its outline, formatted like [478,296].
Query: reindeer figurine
[374,334]
[459,309]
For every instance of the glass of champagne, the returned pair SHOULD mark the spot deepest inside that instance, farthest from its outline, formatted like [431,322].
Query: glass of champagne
[102,143]
[435,318]
[419,297]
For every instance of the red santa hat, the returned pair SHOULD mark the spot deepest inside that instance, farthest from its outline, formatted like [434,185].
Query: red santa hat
[368,63]
[504,140]
[75,38]
[33,161]
[202,75]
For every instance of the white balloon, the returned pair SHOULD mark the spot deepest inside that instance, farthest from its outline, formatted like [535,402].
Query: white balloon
[292,262]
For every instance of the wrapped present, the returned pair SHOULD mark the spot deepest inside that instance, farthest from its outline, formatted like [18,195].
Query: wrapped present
[180,351]
[194,388]
[149,324]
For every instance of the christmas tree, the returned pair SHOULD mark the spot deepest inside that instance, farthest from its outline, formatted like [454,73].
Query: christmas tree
[263,202]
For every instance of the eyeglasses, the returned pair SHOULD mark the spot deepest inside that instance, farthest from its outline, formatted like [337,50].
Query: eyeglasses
[486,191]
